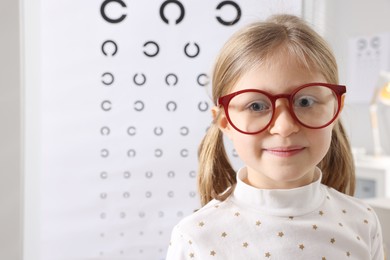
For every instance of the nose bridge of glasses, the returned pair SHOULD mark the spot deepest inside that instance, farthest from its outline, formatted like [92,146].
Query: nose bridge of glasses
[285,97]
[279,96]
[284,105]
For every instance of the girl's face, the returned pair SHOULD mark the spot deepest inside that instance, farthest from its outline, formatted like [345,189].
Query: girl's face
[286,153]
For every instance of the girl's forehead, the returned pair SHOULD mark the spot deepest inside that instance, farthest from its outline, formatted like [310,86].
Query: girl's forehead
[277,75]
[283,58]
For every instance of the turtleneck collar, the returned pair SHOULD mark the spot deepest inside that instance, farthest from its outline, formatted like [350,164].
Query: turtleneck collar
[280,202]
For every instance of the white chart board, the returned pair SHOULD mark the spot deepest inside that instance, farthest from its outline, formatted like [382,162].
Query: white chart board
[123,104]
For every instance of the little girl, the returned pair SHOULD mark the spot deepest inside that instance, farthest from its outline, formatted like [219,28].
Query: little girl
[277,98]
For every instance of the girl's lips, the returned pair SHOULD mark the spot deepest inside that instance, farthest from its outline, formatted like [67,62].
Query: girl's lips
[284,151]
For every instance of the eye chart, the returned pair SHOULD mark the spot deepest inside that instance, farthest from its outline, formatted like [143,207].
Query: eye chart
[125,101]
[367,57]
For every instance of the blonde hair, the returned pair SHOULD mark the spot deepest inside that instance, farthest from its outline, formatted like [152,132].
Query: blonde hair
[257,44]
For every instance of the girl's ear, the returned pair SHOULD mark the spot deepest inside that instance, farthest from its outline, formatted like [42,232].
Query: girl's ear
[221,121]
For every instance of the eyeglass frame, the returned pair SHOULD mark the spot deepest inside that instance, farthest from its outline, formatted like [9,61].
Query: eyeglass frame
[339,90]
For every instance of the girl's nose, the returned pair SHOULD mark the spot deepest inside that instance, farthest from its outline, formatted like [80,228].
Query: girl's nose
[283,123]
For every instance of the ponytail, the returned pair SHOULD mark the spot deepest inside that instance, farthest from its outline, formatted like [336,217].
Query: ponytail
[338,165]
[216,177]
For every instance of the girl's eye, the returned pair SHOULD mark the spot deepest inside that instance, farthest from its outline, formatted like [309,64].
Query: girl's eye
[304,101]
[258,106]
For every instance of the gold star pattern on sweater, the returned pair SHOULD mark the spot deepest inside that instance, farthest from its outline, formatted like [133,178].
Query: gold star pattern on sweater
[323,221]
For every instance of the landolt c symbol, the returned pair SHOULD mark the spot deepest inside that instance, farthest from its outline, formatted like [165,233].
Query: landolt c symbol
[162,11]
[238,10]
[104,15]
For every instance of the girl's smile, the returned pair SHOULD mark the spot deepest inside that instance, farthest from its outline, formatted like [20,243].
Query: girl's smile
[284,151]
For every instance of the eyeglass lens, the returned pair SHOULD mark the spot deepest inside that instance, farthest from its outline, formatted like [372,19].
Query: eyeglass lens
[312,106]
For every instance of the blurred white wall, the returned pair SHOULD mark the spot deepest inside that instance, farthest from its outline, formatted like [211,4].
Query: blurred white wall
[10,133]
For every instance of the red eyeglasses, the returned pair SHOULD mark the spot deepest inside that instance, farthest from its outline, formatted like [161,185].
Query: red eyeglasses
[313,105]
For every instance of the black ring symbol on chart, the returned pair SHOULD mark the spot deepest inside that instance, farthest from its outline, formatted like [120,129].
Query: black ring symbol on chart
[171,194]
[192,174]
[162,11]
[103,11]
[171,174]
[203,79]
[139,105]
[139,83]
[104,153]
[203,106]
[107,78]
[110,43]
[148,195]
[126,175]
[238,11]
[104,175]
[131,130]
[171,106]
[158,153]
[131,153]
[168,81]
[362,44]
[156,51]
[105,130]
[184,130]
[375,42]
[184,153]
[192,55]
[106,105]
[158,130]
[149,175]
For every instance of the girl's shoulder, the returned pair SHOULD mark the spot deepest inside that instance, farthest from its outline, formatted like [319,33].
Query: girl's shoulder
[349,204]
[206,215]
